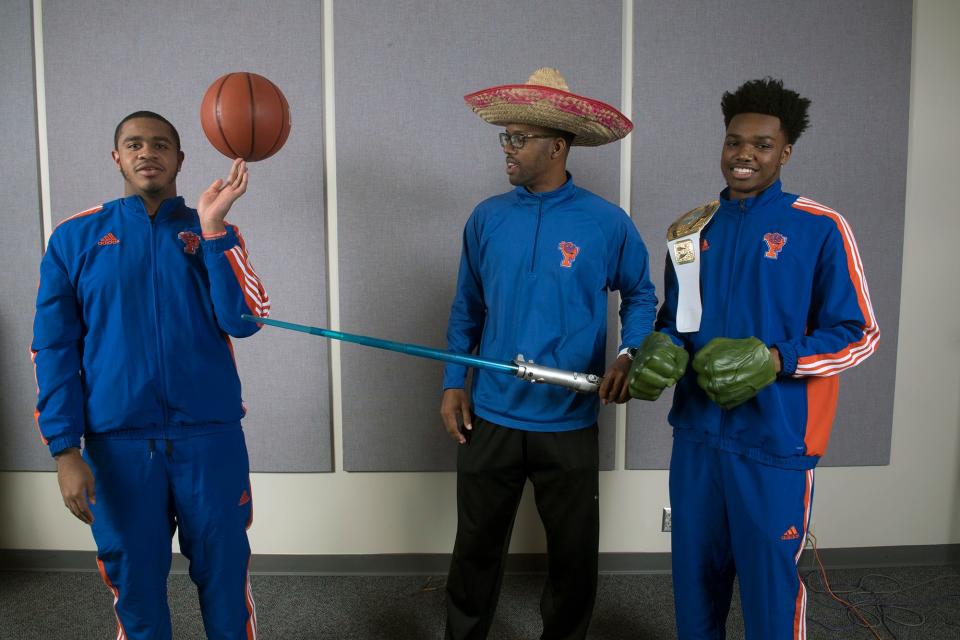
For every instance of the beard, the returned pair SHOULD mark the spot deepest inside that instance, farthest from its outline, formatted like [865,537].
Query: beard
[152,188]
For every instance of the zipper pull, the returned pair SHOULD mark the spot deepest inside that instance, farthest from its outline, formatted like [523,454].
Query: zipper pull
[153,447]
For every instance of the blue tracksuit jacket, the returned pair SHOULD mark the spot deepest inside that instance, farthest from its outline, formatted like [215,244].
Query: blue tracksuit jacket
[786,270]
[131,335]
[534,274]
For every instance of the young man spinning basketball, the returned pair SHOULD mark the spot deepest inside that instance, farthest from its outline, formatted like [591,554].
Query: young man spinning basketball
[137,301]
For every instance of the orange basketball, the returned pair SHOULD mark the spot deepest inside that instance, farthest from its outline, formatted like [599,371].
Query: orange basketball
[244,115]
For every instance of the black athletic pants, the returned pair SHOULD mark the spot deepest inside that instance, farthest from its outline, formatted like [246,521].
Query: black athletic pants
[491,471]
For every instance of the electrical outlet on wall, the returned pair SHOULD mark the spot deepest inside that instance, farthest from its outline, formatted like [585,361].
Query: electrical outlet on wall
[667,522]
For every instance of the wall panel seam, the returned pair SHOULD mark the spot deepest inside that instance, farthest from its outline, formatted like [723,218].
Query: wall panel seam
[626,104]
[333,255]
[43,159]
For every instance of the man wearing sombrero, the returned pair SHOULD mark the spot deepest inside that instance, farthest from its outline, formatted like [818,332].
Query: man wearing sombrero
[536,268]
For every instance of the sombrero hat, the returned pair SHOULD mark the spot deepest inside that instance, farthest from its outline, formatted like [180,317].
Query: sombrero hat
[545,100]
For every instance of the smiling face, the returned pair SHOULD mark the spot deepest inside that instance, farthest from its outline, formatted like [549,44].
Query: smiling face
[148,159]
[754,150]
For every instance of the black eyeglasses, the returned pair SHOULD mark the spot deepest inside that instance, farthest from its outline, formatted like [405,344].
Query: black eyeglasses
[517,140]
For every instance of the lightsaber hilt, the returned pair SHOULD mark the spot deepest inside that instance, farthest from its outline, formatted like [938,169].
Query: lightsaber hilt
[579,382]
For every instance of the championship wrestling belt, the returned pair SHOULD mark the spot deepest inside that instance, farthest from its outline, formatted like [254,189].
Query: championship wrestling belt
[683,244]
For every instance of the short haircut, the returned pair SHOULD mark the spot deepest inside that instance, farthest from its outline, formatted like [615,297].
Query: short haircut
[767,96]
[145,114]
[560,133]
[567,136]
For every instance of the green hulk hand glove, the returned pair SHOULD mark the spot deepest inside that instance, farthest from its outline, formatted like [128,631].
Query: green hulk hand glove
[733,371]
[657,364]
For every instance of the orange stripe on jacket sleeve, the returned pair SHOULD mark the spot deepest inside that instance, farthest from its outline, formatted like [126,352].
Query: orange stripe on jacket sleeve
[36,412]
[253,290]
[854,353]
[250,287]
[81,214]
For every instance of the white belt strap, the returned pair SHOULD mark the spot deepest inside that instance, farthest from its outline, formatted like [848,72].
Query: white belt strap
[683,243]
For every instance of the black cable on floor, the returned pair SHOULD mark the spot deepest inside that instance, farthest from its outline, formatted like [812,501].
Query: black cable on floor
[873,605]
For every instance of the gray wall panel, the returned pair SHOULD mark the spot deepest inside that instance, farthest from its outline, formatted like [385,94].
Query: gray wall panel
[412,163]
[162,56]
[853,60]
[20,242]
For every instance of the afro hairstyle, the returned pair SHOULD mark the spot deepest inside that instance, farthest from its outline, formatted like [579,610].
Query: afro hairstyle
[767,96]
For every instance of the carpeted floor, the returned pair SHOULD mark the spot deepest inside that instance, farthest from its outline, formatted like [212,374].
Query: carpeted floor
[918,603]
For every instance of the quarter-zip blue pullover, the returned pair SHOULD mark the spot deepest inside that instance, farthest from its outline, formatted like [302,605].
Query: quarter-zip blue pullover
[786,270]
[131,335]
[535,272]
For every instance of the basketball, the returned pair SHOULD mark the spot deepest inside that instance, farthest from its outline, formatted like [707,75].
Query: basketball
[244,115]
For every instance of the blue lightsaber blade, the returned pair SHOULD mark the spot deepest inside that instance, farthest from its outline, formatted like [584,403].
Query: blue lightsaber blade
[529,371]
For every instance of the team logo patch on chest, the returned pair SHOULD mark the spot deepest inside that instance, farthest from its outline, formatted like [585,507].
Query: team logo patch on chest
[190,240]
[775,242]
[570,252]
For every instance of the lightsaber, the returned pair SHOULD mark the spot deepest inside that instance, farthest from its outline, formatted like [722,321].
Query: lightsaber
[529,371]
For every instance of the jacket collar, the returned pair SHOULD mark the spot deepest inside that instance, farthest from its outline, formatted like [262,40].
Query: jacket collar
[559,194]
[168,208]
[762,199]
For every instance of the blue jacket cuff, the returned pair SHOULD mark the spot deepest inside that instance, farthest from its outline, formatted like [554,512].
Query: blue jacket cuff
[788,358]
[454,377]
[58,444]
[225,242]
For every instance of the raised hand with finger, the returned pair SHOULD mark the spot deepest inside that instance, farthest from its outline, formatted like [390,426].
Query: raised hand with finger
[214,203]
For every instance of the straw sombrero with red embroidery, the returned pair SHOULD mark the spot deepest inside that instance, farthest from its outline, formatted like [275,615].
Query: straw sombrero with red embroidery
[545,100]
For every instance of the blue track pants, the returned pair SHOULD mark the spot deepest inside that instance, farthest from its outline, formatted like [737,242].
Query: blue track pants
[146,490]
[733,516]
